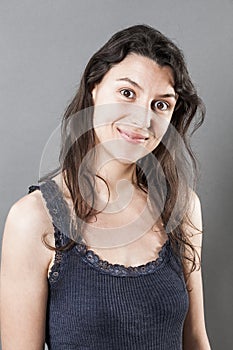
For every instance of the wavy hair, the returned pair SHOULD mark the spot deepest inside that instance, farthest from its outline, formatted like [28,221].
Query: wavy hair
[175,172]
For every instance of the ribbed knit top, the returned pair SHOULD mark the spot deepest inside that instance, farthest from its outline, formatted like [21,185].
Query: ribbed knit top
[96,305]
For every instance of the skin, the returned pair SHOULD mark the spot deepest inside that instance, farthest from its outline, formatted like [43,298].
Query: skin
[25,259]
[133,95]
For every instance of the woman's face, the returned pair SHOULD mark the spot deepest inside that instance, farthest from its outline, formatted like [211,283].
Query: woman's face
[135,100]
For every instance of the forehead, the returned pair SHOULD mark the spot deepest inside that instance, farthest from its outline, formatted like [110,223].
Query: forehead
[142,69]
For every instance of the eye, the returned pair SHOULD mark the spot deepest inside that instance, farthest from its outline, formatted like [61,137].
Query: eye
[161,105]
[127,93]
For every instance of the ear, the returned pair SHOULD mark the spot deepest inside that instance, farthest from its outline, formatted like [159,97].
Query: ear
[93,93]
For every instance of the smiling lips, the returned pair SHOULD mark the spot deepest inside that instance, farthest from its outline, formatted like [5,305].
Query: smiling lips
[132,136]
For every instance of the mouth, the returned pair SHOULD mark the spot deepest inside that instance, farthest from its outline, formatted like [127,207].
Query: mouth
[132,137]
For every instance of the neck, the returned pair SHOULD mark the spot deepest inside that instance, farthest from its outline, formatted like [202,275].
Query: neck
[120,178]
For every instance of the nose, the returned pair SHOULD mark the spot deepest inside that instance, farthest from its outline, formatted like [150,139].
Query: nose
[147,119]
[143,117]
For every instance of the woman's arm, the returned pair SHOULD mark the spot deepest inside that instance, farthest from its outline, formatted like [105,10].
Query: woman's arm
[24,266]
[194,335]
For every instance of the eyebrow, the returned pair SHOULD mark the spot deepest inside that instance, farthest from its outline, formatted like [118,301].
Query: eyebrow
[132,82]
[175,96]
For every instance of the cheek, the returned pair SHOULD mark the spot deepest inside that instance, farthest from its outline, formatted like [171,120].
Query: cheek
[103,133]
[102,123]
[103,95]
[107,114]
[160,126]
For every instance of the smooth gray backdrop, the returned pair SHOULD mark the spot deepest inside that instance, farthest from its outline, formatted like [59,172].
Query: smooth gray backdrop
[44,47]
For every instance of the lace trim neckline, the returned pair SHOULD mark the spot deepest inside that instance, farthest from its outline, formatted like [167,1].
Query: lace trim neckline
[89,255]
[93,259]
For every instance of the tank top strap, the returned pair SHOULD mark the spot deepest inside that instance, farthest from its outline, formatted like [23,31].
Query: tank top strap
[58,210]
[32,188]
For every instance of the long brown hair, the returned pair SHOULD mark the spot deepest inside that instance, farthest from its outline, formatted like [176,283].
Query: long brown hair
[178,163]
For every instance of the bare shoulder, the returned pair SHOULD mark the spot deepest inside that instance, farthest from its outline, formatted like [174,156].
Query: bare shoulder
[30,213]
[194,215]
[195,203]
[26,224]
[24,268]
[193,227]
[194,333]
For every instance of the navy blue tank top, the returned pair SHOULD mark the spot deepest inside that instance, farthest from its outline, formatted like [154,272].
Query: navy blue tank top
[96,305]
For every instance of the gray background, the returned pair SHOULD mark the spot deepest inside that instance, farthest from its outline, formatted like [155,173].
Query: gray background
[44,47]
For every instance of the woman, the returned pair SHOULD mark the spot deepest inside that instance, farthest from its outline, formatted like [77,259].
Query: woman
[121,211]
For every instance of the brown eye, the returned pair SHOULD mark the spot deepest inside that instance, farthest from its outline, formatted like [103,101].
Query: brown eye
[161,105]
[127,93]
